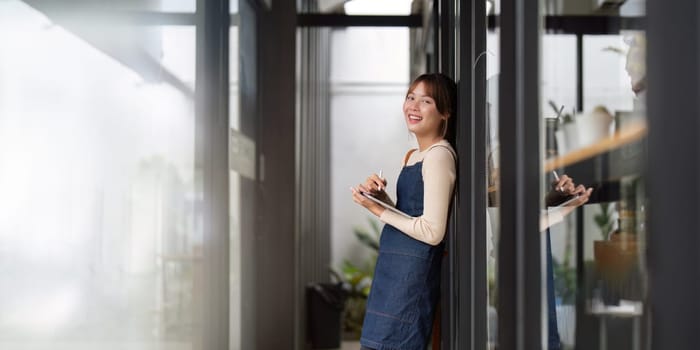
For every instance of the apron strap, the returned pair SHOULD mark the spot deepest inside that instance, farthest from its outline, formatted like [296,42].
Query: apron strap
[408,155]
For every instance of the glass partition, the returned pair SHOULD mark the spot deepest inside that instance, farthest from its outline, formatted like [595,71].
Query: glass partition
[368,83]
[593,126]
[187,6]
[98,236]
[360,7]
[240,150]
[492,162]
[108,7]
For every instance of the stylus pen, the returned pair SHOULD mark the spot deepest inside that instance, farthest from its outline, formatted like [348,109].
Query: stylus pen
[380,176]
[556,177]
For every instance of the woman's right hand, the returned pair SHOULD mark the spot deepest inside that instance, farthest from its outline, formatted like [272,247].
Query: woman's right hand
[561,190]
[374,185]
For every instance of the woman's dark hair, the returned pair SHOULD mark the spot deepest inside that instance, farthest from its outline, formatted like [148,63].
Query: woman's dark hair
[444,91]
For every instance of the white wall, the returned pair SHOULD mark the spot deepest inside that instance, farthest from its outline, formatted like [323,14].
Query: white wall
[369,78]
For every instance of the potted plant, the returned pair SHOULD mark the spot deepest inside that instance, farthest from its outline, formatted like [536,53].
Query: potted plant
[358,280]
[617,257]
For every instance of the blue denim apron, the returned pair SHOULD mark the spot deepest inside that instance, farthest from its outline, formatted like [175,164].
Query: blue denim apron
[406,284]
[554,340]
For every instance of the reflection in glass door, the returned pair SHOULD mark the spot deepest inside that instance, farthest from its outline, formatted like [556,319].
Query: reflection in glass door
[98,236]
[239,151]
[492,164]
[593,125]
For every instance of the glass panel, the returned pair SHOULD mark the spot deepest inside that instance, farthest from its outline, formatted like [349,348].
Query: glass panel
[606,80]
[360,7]
[558,71]
[369,79]
[182,6]
[492,164]
[593,124]
[188,6]
[235,197]
[97,232]
[612,8]
[233,6]
[378,7]
[558,92]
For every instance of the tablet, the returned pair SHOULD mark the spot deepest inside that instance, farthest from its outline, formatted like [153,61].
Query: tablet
[567,202]
[387,206]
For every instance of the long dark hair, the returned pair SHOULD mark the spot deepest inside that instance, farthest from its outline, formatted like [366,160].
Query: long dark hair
[444,91]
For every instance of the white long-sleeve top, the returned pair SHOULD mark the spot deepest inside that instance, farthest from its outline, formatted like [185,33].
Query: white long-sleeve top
[439,174]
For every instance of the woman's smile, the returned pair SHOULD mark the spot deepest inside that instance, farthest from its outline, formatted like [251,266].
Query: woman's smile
[414,119]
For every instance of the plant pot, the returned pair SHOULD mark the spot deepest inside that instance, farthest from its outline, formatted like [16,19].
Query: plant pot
[592,127]
[585,130]
[566,323]
[616,258]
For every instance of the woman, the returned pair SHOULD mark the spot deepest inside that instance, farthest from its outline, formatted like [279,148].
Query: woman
[405,289]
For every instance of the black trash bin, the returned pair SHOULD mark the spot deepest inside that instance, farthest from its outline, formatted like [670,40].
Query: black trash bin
[325,303]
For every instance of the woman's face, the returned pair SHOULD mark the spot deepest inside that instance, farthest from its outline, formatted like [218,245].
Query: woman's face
[421,114]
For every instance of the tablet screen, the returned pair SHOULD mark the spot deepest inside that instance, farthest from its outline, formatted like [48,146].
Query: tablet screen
[387,206]
[567,202]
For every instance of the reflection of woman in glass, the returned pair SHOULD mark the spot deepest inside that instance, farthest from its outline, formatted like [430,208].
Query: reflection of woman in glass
[405,289]
[563,191]
[564,196]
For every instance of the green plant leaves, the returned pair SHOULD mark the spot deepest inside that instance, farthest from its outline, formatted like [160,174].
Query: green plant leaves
[359,279]
[370,240]
[604,220]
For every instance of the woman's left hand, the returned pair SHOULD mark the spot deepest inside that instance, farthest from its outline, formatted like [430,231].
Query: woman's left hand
[563,190]
[360,199]
[583,194]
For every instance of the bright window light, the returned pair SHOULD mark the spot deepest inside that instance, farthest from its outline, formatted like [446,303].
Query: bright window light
[378,7]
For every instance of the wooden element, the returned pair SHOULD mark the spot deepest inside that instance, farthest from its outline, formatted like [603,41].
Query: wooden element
[630,134]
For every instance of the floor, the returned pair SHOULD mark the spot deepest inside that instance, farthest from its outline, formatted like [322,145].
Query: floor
[350,345]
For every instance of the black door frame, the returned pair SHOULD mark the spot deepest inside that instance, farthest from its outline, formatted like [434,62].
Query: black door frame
[673,37]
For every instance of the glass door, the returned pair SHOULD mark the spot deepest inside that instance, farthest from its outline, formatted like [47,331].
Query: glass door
[592,129]
[492,164]
[98,234]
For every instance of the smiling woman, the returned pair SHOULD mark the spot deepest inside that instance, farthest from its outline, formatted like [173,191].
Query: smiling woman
[429,102]
[406,285]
